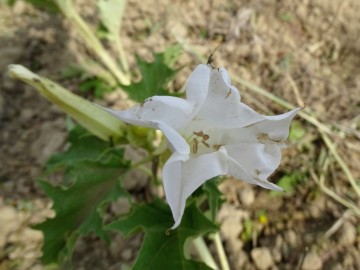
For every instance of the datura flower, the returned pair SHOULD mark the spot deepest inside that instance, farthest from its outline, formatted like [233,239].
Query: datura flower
[211,133]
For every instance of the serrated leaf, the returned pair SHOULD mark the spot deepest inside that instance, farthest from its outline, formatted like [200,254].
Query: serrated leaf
[79,207]
[79,149]
[160,250]
[215,197]
[154,75]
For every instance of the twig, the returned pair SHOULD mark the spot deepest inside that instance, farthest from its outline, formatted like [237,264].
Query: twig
[293,85]
[333,195]
[341,162]
[336,226]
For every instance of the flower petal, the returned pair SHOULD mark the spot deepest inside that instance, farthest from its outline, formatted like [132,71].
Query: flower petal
[277,126]
[182,176]
[222,107]
[176,142]
[197,86]
[160,112]
[172,111]
[254,162]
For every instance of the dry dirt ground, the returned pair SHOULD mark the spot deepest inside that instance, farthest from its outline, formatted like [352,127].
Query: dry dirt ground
[306,52]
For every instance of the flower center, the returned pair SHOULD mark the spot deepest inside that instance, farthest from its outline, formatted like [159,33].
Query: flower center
[200,143]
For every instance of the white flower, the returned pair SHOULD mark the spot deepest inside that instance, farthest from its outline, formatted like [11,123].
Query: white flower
[211,133]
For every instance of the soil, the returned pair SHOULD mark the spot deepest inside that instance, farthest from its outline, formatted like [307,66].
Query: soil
[306,52]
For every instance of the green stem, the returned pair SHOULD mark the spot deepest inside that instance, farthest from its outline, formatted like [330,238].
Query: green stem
[220,251]
[204,252]
[122,56]
[92,41]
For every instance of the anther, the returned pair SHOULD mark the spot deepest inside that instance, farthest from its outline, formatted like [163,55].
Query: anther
[199,134]
[205,143]
[195,145]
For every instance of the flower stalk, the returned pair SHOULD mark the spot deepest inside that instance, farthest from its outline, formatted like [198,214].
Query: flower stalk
[90,40]
[93,118]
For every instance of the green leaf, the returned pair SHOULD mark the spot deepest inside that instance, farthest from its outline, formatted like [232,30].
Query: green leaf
[215,197]
[79,149]
[92,180]
[297,131]
[288,183]
[47,5]
[141,137]
[162,250]
[154,75]
[95,86]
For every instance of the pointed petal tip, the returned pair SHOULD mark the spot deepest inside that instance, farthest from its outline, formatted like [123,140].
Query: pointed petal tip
[176,224]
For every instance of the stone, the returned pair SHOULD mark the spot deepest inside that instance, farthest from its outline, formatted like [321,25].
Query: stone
[9,222]
[292,238]
[26,114]
[247,196]
[49,140]
[126,254]
[347,234]
[312,261]
[120,207]
[231,220]
[262,258]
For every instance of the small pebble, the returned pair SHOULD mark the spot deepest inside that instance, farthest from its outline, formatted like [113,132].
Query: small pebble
[312,261]
[262,258]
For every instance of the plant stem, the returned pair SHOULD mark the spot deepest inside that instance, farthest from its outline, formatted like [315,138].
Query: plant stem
[122,56]
[220,251]
[204,252]
[92,41]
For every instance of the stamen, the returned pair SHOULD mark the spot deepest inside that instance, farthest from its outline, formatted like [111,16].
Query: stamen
[217,146]
[205,143]
[263,138]
[195,145]
[199,134]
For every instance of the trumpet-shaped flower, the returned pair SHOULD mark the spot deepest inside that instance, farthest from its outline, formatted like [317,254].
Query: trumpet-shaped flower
[211,133]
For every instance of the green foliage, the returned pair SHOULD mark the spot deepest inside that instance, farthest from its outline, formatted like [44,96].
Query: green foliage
[247,232]
[96,86]
[47,5]
[214,196]
[7,2]
[297,131]
[141,137]
[163,249]
[154,75]
[286,16]
[289,184]
[92,181]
